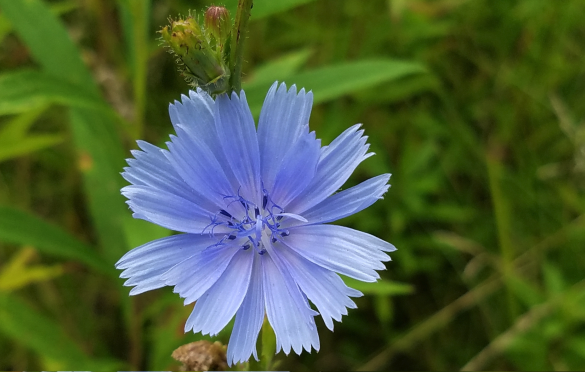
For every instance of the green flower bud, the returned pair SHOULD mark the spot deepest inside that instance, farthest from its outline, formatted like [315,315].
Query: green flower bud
[219,25]
[202,57]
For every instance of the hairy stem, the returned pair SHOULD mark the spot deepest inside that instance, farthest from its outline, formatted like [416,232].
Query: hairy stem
[237,43]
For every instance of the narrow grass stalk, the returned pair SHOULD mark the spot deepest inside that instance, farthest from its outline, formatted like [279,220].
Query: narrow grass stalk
[136,25]
[481,292]
[522,325]
[503,221]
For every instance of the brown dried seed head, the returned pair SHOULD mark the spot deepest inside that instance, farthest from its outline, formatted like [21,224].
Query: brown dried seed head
[201,356]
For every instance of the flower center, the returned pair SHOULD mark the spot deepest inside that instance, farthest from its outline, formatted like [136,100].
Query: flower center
[254,223]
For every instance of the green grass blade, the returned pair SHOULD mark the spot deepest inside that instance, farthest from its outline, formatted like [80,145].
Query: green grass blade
[382,287]
[48,41]
[18,272]
[135,20]
[22,90]
[95,135]
[101,152]
[16,128]
[19,227]
[335,81]
[331,82]
[20,322]
[28,145]
[278,69]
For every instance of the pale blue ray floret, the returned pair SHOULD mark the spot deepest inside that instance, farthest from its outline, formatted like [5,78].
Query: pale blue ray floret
[252,204]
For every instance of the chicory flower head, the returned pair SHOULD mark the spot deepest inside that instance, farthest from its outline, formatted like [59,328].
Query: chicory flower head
[252,204]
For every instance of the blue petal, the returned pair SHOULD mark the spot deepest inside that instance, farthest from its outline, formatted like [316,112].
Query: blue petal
[288,321]
[237,133]
[337,163]
[323,287]
[343,250]
[168,210]
[197,165]
[284,117]
[348,202]
[151,168]
[193,276]
[145,265]
[219,304]
[293,289]
[249,319]
[196,113]
[195,117]
[297,169]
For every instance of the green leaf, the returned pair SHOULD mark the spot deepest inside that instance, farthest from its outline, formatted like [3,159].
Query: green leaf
[135,15]
[24,90]
[48,41]
[16,128]
[19,227]
[139,232]
[278,69]
[265,8]
[331,82]
[20,322]
[13,140]
[28,145]
[17,272]
[95,134]
[5,27]
[100,151]
[553,278]
[525,291]
[382,287]
[335,81]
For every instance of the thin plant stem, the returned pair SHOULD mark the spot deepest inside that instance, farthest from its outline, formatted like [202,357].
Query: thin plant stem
[522,325]
[140,11]
[237,43]
[503,220]
[253,364]
[473,297]
[267,346]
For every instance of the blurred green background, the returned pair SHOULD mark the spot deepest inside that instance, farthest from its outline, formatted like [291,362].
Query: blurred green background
[477,107]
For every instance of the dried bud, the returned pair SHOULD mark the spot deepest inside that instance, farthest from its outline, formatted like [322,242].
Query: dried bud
[201,356]
[203,62]
[218,24]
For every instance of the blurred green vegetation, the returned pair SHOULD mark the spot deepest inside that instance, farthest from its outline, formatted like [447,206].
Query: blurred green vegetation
[475,106]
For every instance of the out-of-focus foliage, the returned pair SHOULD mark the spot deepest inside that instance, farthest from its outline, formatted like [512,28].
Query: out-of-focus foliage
[475,106]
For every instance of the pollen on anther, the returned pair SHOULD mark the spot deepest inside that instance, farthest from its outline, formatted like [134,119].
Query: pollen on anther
[225,213]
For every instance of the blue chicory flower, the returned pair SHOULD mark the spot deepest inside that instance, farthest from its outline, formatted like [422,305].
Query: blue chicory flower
[252,204]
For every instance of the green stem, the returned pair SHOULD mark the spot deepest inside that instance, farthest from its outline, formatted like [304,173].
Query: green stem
[253,364]
[267,345]
[140,15]
[503,221]
[237,43]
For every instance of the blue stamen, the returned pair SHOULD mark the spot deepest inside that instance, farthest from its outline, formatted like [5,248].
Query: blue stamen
[265,221]
[225,213]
